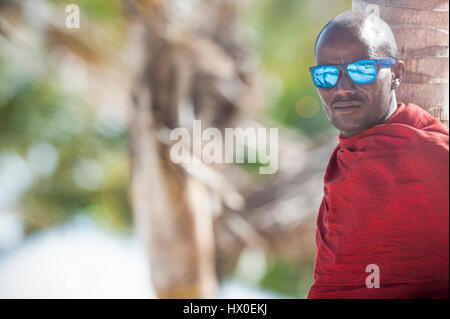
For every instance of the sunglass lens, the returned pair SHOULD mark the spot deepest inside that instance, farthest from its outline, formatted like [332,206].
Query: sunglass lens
[325,76]
[363,71]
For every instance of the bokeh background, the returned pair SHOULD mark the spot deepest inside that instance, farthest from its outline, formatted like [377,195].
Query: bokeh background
[67,227]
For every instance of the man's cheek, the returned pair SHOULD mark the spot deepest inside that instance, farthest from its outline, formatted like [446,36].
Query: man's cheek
[384,84]
[380,96]
[325,98]
[324,102]
[322,95]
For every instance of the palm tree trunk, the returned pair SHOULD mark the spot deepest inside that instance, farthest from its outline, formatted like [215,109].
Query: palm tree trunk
[171,208]
[421,30]
[171,214]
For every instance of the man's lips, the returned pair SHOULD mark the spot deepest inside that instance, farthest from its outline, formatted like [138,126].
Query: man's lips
[346,106]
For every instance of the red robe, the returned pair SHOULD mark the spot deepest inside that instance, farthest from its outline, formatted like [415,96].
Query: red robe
[386,202]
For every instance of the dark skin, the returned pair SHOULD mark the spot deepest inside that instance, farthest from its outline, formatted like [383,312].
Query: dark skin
[351,107]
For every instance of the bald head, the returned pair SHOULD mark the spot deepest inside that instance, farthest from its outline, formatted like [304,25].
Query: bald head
[369,29]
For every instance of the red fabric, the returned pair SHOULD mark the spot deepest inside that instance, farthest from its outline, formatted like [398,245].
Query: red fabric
[386,202]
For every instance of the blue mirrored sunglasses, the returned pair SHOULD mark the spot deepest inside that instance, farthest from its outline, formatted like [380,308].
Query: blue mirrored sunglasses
[362,71]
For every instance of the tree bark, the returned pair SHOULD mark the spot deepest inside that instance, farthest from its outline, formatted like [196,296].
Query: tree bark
[421,31]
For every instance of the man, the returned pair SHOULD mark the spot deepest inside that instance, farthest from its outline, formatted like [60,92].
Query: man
[382,228]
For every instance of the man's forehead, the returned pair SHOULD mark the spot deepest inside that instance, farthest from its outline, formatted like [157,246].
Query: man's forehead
[337,45]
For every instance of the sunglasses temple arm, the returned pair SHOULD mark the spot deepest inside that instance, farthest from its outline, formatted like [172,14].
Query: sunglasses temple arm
[387,61]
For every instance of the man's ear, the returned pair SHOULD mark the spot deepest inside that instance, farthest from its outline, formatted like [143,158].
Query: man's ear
[398,70]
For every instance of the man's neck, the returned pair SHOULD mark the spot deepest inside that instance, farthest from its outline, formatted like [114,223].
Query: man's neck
[392,108]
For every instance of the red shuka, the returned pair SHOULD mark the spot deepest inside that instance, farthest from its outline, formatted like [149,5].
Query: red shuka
[386,203]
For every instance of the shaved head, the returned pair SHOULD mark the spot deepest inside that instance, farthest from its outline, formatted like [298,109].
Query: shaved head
[368,28]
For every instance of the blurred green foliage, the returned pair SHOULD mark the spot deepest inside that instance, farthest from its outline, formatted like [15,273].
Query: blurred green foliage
[288,278]
[37,108]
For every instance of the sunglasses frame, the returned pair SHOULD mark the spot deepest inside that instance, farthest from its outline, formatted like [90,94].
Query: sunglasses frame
[381,62]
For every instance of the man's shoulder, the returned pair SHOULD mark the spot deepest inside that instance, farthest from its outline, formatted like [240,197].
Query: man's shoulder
[415,117]
[418,127]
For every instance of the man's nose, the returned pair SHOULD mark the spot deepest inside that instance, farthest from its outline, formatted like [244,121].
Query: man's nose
[344,83]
